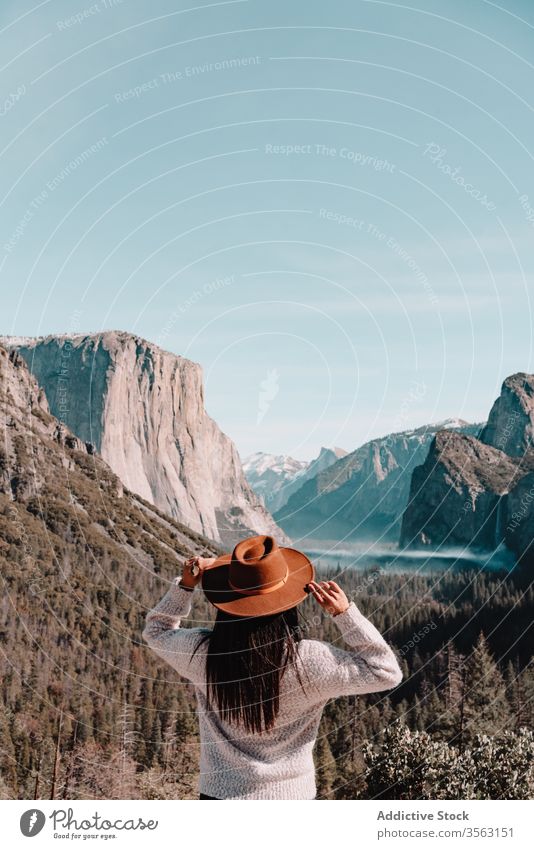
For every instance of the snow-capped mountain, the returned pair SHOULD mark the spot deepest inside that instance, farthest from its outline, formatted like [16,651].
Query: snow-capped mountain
[281,465]
[268,474]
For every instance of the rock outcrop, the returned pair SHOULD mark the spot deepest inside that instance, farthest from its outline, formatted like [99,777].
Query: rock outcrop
[458,496]
[82,560]
[143,410]
[480,492]
[363,494]
[510,425]
[57,496]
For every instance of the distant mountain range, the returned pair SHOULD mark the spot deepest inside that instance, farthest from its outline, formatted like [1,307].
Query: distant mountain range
[446,485]
[363,494]
[142,409]
[275,477]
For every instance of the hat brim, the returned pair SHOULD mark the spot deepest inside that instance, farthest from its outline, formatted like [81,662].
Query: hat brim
[217,589]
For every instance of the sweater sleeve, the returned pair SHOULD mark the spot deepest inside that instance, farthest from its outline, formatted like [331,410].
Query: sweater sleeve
[167,639]
[369,667]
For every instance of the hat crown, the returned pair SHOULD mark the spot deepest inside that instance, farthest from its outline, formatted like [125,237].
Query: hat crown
[257,566]
[252,553]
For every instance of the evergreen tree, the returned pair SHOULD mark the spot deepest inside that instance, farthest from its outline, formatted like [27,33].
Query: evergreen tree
[485,707]
[325,766]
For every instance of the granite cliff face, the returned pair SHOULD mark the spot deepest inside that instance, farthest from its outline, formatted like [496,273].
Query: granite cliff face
[479,492]
[510,424]
[60,502]
[143,410]
[274,478]
[363,494]
[519,529]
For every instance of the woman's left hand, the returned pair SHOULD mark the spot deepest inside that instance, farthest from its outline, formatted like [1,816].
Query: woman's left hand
[330,596]
[192,570]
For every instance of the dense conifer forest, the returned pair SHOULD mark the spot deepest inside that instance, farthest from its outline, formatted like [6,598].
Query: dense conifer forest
[90,712]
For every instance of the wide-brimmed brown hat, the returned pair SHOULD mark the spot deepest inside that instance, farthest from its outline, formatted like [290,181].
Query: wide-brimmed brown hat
[258,578]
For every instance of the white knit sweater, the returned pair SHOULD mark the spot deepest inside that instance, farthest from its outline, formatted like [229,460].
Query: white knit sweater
[277,764]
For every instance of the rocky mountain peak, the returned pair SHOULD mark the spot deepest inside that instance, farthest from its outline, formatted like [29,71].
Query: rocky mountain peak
[328,452]
[17,383]
[26,420]
[458,496]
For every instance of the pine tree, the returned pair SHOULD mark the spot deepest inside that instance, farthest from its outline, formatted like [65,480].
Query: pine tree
[516,694]
[446,710]
[325,767]
[485,707]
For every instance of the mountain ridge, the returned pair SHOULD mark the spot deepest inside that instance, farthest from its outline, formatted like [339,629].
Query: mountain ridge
[363,494]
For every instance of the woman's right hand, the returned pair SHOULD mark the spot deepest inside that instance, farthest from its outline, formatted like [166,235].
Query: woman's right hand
[330,596]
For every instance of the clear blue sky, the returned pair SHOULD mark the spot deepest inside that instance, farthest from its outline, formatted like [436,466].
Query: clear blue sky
[325,204]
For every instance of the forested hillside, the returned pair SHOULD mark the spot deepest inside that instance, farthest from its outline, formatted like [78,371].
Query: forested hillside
[125,724]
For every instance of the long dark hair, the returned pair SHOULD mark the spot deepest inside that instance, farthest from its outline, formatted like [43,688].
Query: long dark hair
[245,662]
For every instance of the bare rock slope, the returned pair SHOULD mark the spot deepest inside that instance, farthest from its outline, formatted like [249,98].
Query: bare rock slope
[458,496]
[275,478]
[143,410]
